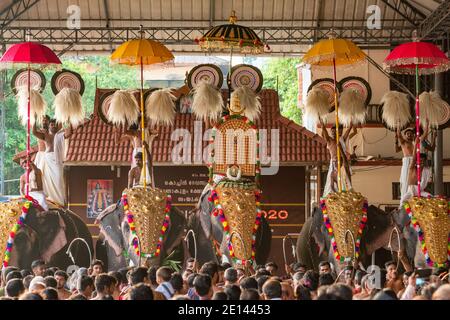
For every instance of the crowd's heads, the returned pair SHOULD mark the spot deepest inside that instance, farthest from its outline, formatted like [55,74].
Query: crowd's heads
[61,279]
[442,293]
[163,274]
[50,294]
[104,284]
[311,280]
[326,279]
[50,282]
[248,283]
[272,268]
[138,275]
[37,284]
[97,267]
[249,294]
[14,288]
[85,285]
[302,293]
[232,291]
[324,267]
[176,280]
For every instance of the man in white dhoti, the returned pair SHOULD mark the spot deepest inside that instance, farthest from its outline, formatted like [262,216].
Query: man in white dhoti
[406,145]
[425,176]
[52,162]
[35,187]
[41,143]
[331,184]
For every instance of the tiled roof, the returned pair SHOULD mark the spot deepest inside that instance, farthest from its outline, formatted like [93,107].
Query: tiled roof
[94,144]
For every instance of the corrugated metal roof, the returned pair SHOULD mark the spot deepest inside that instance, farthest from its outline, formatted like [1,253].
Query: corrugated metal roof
[278,14]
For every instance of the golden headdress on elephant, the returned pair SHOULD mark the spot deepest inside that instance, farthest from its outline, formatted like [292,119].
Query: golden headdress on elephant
[431,219]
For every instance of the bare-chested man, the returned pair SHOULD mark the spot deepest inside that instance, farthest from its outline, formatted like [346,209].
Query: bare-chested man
[36,190]
[135,175]
[332,181]
[51,163]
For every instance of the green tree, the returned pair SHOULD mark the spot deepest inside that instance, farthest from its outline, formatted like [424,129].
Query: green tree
[93,70]
[281,74]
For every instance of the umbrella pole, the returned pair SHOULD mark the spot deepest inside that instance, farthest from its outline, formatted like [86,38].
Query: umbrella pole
[418,130]
[338,152]
[144,154]
[28,131]
[229,77]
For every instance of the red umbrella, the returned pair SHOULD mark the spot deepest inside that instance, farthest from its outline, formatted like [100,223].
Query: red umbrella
[31,55]
[417,58]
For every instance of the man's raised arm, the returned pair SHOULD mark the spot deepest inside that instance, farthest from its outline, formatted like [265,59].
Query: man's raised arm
[38,134]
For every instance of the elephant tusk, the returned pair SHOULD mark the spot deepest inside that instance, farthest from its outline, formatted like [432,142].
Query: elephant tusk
[354,244]
[399,244]
[69,253]
[195,244]
[139,248]
[284,247]
[243,245]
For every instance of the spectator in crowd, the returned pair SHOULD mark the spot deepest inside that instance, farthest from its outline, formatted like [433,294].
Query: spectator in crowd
[30,296]
[249,294]
[163,276]
[324,267]
[176,280]
[272,268]
[272,290]
[203,286]
[341,291]
[25,272]
[442,293]
[232,291]
[14,288]
[326,279]
[192,294]
[219,295]
[104,286]
[230,276]
[287,293]
[393,281]
[96,268]
[302,293]
[248,283]
[26,281]
[38,267]
[37,285]
[50,294]
[152,277]
[261,281]
[50,282]
[85,287]
[211,269]
[61,280]
[141,291]
[15,274]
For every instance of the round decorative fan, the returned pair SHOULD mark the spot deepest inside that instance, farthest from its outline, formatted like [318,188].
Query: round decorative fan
[147,94]
[103,106]
[20,78]
[67,79]
[359,84]
[379,118]
[246,75]
[445,118]
[208,72]
[326,84]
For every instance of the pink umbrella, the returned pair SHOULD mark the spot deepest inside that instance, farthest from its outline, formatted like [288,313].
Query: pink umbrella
[29,55]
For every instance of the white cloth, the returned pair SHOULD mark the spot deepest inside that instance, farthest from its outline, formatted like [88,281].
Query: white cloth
[38,159]
[39,196]
[166,289]
[406,162]
[412,189]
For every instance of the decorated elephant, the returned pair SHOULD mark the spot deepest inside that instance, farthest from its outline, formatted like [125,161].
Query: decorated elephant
[52,236]
[210,235]
[425,225]
[115,246]
[314,243]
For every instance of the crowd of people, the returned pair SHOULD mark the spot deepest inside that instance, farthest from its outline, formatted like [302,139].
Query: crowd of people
[213,281]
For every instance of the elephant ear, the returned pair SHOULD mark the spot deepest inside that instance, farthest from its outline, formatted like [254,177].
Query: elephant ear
[58,242]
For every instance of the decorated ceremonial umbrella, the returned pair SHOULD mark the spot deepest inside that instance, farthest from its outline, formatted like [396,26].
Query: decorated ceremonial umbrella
[140,52]
[232,37]
[332,53]
[30,55]
[417,58]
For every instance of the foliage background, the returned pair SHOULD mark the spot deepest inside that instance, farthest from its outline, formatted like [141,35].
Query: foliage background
[279,74]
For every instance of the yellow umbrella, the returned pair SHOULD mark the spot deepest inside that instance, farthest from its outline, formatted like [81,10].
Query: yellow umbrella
[331,53]
[140,52]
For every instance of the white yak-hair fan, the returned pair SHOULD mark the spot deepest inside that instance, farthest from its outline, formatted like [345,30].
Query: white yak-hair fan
[38,105]
[249,101]
[352,108]
[207,101]
[123,109]
[160,107]
[68,107]
[396,113]
[317,104]
[431,106]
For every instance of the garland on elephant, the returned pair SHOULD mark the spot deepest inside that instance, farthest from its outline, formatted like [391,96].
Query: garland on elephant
[422,236]
[131,223]
[29,202]
[334,245]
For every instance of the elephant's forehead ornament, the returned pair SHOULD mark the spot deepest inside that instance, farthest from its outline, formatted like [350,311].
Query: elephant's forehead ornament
[147,212]
[12,217]
[431,220]
[345,216]
[236,155]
